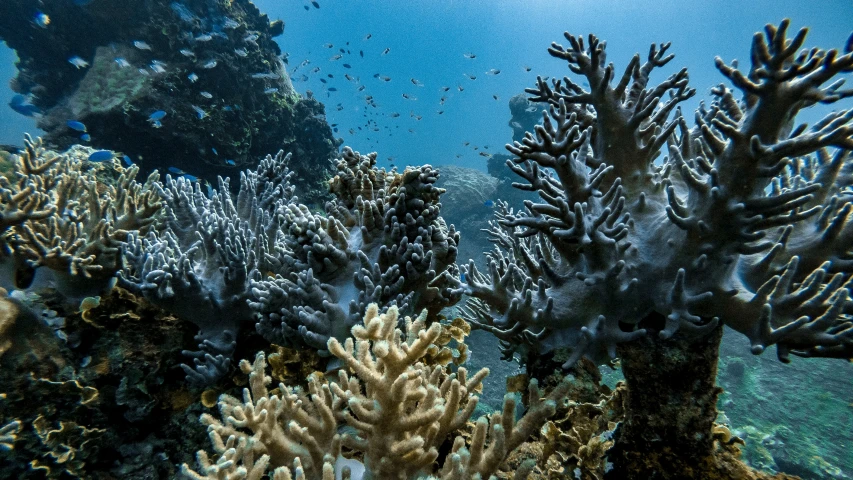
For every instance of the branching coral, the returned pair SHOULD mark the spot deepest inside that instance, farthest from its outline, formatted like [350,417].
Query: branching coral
[744,222]
[399,409]
[58,215]
[382,241]
[200,265]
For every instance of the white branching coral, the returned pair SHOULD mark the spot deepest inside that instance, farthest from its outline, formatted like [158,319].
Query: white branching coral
[60,216]
[745,221]
[399,411]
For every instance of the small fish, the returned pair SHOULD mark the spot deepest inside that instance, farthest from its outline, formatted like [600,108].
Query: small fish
[121,62]
[440,112]
[496,97]
[189,177]
[347,65]
[493,71]
[460,88]
[442,100]
[343,51]
[101,156]
[127,161]
[361,53]
[395,115]
[203,38]
[409,97]
[527,68]
[416,82]
[333,89]
[141,45]
[156,124]
[214,151]
[489,203]
[316,5]
[176,171]
[484,154]
[271,76]
[210,64]
[193,77]
[19,104]
[315,69]
[157,115]
[86,137]
[462,277]
[206,95]
[78,62]
[75,125]
[327,45]
[368,36]
[361,88]
[142,71]
[251,38]
[444,89]
[157,68]
[349,77]
[306,7]
[42,20]
[230,24]
[385,78]
[241,52]
[187,53]
[472,77]
[335,57]
[469,55]
[323,80]
[199,112]
[386,51]
[271,90]
[230,162]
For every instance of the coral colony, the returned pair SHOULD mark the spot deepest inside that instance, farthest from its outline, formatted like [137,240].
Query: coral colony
[648,236]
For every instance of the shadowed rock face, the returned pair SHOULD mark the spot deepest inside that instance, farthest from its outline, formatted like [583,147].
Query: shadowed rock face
[244,117]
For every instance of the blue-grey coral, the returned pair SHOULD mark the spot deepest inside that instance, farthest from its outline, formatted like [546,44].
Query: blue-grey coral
[67,225]
[745,221]
[381,241]
[200,264]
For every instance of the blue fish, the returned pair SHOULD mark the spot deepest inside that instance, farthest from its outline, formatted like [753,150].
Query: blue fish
[159,114]
[489,203]
[230,162]
[18,104]
[127,160]
[100,156]
[189,177]
[214,151]
[462,277]
[176,171]
[86,137]
[75,125]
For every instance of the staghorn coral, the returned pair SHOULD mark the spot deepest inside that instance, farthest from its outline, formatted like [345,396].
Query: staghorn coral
[59,215]
[399,409]
[382,241]
[744,223]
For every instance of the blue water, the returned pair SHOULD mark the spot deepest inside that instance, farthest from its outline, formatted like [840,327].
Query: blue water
[428,39]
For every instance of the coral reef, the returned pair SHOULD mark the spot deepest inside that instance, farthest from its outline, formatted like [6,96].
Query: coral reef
[213,67]
[63,226]
[399,410]
[381,241]
[722,231]
[200,265]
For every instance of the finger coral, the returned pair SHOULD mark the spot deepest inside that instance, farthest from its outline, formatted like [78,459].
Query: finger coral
[398,410]
[65,224]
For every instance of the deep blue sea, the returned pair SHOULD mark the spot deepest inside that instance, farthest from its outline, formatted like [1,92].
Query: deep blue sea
[428,40]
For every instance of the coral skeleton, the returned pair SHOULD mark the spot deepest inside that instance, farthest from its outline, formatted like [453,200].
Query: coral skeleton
[745,220]
[398,410]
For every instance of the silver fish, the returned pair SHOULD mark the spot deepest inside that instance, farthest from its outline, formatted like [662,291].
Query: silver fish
[187,53]
[210,64]
[193,77]
[241,52]
[141,45]
[78,62]
[203,38]
[206,95]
